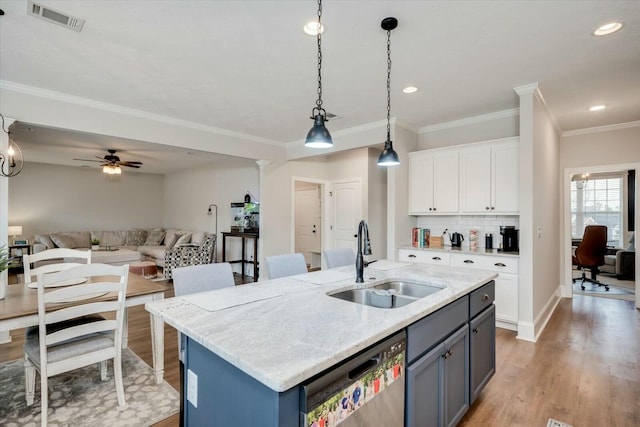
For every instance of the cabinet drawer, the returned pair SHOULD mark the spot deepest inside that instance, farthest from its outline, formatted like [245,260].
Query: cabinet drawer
[426,333]
[424,257]
[481,298]
[482,262]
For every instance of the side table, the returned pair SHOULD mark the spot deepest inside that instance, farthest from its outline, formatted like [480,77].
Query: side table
[243,260]
[17,262]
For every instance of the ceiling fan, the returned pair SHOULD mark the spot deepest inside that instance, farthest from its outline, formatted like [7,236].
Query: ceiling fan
[111,163]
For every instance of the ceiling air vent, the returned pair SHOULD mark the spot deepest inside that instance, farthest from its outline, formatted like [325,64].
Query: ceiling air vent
[51,15]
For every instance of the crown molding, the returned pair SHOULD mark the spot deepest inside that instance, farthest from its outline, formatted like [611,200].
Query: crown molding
[471,120]
[113,108]
[598,129]
[526,89]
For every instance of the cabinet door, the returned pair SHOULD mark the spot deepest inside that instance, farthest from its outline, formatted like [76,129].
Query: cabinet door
[420,183]
[446,183]
[507,298]
[475,184]
[455,380]
[482,350]
[423,397]
[504,180]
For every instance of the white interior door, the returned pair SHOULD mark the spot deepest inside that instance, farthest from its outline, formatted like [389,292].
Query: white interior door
[307,222]
[347,213]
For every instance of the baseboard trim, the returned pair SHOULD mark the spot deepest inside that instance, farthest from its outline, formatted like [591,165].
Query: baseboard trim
[507,325]
[528,331]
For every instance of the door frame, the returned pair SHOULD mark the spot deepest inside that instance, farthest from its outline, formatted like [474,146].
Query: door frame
[324,196]
[567,285]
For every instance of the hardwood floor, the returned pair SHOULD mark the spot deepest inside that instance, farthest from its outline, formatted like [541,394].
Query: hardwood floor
[584,370]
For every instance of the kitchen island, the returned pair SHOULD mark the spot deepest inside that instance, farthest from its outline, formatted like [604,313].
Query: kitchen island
[255,344]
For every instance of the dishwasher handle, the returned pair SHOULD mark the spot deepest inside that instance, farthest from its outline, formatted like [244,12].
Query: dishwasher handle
[364,367]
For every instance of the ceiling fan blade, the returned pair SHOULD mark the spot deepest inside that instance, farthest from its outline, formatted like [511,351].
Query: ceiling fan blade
[89,160]
[128,165]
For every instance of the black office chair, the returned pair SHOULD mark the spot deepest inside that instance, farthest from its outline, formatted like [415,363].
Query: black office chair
[590,254]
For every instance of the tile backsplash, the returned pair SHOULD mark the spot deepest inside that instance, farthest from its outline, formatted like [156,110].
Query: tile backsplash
[463,223]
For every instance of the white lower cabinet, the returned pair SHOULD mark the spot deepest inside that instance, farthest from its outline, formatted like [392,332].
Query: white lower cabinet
[506,300]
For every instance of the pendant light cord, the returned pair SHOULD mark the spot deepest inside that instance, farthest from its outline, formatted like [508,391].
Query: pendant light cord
[388,85]
[319,38]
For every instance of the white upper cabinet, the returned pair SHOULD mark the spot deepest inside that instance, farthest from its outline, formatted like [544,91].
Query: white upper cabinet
[489,179]
[433,182]
[478,178]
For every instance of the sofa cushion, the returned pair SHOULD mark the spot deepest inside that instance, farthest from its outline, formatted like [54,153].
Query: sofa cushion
[136,237]
[198,237]
[186,238]
[110,238]
[155,252]
[72,239]
[170,240]
[154,238]
[44,239]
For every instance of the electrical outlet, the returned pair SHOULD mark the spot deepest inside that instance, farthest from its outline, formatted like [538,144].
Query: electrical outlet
[192,388]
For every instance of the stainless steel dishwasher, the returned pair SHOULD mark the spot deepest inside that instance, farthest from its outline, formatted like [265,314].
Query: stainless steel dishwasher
[366,390]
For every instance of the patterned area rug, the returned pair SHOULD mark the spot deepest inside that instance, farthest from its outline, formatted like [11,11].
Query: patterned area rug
[80,398]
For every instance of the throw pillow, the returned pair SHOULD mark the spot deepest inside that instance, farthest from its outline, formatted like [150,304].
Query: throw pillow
[186,238]
[44,239]
[171,240]
[63,241]
[154,238]
[136,237]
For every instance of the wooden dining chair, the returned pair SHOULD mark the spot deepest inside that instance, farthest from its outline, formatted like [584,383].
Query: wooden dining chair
[57,254]
[338,257]
[285,265]
[66,340]
[190,280]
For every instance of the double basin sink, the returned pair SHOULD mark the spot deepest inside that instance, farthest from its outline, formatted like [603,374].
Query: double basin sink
[389,294]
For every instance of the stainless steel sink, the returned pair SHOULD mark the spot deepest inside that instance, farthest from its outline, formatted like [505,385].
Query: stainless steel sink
[390,294]
[409,289]
[370,298]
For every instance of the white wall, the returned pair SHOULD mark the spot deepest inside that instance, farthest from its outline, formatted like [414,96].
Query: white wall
[188,194]
[377,212]
[45,198]
[484,128]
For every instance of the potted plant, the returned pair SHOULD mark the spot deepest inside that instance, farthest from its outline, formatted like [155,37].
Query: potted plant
[95,244]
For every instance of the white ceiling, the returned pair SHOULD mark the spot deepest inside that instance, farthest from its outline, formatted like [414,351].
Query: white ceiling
[246,66]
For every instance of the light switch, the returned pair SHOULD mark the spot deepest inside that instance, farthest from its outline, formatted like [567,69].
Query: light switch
[192,388]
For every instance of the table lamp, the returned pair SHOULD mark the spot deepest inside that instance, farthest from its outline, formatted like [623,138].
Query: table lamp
[14,230]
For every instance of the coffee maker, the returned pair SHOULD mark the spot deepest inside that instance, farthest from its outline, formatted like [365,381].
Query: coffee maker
[509,238]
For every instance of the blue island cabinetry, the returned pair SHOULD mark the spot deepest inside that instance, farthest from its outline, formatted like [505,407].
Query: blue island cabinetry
[450,358]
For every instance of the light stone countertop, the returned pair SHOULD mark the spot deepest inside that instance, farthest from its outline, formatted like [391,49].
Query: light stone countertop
[298,330]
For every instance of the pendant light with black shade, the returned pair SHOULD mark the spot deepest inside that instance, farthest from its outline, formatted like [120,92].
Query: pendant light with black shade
[319,136]
[388,157]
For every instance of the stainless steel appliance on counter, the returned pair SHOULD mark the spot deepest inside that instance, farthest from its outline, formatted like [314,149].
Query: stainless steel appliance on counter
[366,390]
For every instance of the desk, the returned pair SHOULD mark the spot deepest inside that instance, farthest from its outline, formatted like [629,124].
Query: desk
[243,260]
[19,309]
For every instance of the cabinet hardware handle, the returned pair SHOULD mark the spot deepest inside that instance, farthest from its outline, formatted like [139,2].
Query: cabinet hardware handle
[434,209]
[447,354]
[355,235]
[487,208]
[475,330]
[468,261]
[430,209]
[499,264]
[437,258]
[412,256]
[485,297]
[492,208]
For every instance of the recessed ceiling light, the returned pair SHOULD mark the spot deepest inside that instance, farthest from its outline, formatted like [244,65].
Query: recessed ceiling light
[410,89]
[597,107]
[311,28]
[606,29]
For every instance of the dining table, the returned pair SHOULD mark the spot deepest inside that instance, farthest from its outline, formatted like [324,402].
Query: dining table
[19,309]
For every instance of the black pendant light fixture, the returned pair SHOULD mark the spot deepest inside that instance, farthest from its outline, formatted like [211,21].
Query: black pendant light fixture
[319,136]
[388,157]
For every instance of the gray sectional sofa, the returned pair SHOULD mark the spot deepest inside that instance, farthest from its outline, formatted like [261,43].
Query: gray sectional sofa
[152,244]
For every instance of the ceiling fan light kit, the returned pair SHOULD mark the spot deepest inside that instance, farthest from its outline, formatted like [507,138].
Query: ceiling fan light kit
[111,164]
